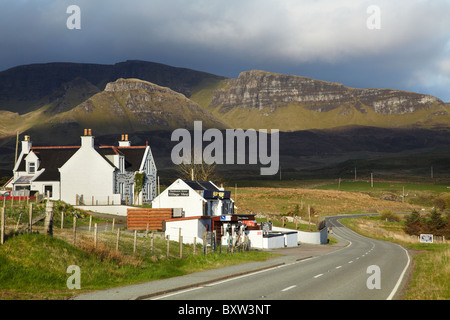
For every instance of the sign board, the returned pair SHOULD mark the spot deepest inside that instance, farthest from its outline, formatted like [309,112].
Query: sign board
[225,218]
[222,195]
[178,193]
[426,238]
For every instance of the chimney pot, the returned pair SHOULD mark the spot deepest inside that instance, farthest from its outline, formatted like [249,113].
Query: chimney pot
[123,137]
[85,132]
[90,132]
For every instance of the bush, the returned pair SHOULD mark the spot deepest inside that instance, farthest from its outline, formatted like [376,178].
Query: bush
[435,224]
[389,216]
[414,224]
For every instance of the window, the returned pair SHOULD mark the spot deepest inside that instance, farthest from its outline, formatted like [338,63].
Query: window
[48,191]
[31,167]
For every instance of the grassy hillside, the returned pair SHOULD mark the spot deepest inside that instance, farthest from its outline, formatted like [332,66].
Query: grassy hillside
[34,266]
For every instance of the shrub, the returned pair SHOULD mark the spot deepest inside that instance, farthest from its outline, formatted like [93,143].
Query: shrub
[414,223]
[389,216]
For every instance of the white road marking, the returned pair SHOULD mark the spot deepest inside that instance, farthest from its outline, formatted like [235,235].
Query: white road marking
[288,288]
[399,281]
[319,275]
[175,293]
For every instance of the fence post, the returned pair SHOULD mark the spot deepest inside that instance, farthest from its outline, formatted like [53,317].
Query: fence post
[2,226]
[48,223]
[90,223]
[74,229]
[135,242]
[114,221]
[95,235]
[195,244]
[204,242]
[168,245]
[118,238]
[152,241]
[30,218]
[62,219]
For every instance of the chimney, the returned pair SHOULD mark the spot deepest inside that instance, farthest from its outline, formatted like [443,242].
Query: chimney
[87,140]
[26,145]
[124,142]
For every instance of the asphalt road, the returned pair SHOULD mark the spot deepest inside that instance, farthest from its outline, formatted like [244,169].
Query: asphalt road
[364,269]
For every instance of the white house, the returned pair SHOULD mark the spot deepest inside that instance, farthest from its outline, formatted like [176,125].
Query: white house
[87,174]
[198,205]
[195,198]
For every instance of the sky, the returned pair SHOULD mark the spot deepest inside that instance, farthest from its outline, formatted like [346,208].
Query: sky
[398,44]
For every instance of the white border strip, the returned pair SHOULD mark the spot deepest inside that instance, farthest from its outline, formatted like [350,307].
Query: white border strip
[394,291]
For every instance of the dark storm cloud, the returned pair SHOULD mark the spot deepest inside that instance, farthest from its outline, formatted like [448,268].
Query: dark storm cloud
[325,39]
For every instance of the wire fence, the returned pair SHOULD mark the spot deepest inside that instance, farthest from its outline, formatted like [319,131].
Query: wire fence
[106,236]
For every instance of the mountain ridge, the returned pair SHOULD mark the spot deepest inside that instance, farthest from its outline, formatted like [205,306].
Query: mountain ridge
[258,98]
[58,97]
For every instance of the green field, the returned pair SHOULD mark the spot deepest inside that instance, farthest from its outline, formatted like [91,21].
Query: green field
[366,186]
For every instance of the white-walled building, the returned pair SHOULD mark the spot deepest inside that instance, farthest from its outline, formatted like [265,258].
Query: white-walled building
[198,203]
[87,174]
[195,198]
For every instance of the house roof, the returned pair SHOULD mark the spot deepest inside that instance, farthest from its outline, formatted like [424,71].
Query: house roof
[53,158]
[201,185]
[133,155]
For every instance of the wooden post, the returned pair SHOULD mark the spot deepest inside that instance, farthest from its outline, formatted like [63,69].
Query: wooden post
[90,223]
[2,226]
[151,242]
[204,242]
[48,223]
[371,180]
[168,245]
[30,218]
[181,247]
[95,235]
[195,245]
[62,219]
[118,238]
[309,217]
[135,242]
[74,230]
[113,223]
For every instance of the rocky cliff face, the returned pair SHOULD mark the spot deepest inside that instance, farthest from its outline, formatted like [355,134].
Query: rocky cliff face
[259,89]
[132,104]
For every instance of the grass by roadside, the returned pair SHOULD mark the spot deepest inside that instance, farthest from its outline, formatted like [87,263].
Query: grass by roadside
[431,264]
[33,266]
